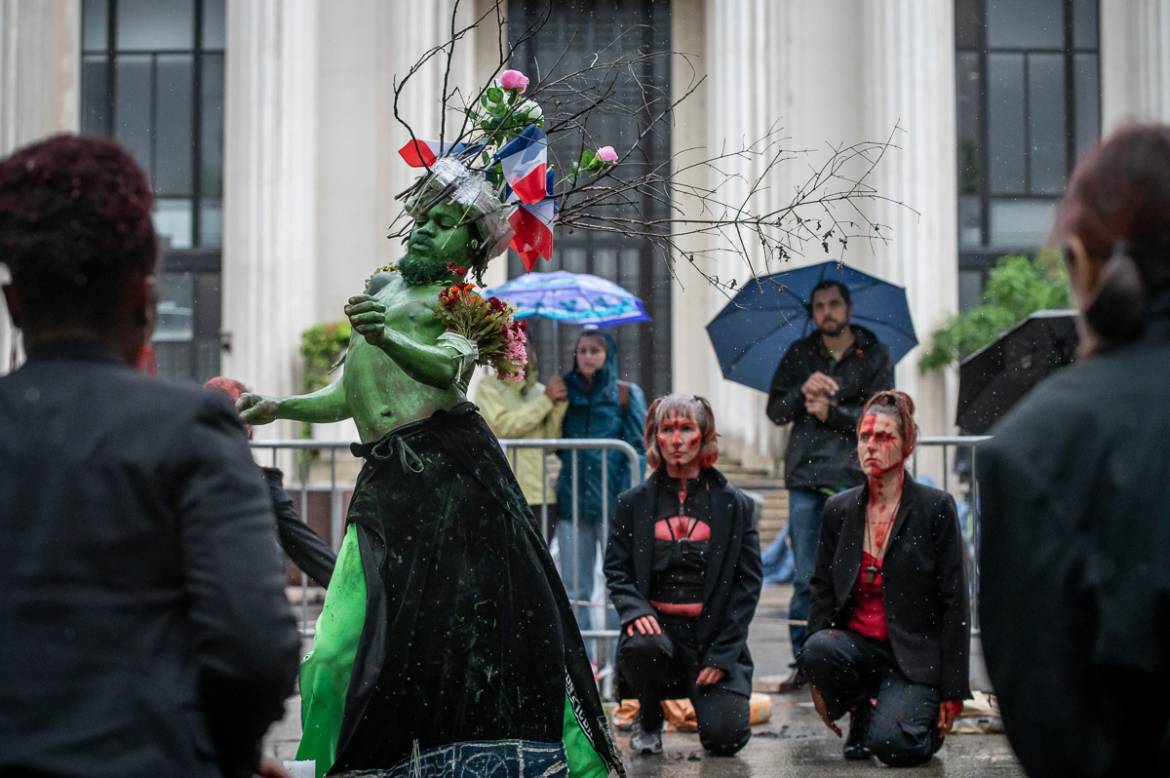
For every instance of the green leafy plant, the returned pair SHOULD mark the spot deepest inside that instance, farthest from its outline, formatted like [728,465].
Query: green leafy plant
[1017,287]
[321,347]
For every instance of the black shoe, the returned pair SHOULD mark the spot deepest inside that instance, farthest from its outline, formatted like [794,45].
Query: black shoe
[855,747]
[643,742]
[794,682]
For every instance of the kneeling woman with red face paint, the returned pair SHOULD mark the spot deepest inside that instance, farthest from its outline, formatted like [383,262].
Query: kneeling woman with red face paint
[889,621]
[683,566]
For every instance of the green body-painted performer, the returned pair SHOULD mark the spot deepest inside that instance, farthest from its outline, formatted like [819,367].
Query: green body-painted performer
[446,643]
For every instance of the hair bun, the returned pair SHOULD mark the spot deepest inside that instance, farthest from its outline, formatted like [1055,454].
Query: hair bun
[1118,311]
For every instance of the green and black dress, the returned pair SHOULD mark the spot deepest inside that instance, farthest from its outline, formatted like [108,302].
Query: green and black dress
[446,643]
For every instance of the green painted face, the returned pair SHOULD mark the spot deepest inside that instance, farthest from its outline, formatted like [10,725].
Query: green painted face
[440,236]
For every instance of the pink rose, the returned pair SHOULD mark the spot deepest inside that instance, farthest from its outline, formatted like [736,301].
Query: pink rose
[514,80]
[607,154]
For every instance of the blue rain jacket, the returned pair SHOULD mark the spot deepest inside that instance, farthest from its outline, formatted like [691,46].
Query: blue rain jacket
[595,412]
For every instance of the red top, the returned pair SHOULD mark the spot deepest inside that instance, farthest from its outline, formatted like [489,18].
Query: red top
[869,612]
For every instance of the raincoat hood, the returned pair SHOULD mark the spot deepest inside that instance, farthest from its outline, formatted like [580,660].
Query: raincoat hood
[605,381]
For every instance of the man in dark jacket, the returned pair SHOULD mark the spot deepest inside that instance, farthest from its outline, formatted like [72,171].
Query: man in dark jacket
[820,386]
[146,632]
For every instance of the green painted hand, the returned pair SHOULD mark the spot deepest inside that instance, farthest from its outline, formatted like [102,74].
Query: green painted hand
[367,317]
[257,409]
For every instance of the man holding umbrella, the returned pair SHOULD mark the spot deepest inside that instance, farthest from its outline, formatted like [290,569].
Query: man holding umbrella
[820,386]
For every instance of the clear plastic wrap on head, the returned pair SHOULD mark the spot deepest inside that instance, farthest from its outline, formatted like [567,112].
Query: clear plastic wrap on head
[451,181]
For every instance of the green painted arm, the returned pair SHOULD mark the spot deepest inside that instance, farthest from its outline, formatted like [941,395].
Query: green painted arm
[439,366]
[435,366]
[323,405]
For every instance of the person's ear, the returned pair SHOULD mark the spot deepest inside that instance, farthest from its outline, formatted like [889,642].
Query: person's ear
[144,303]
[1084,275]
[13,302]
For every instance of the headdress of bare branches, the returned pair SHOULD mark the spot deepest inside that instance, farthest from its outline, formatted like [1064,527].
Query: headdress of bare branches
[604,190]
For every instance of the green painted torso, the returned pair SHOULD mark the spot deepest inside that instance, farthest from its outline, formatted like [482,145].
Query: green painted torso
[380,394]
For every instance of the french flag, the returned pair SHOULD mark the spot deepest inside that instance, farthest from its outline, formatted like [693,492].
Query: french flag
[533,225]
[524,160]
[423,153]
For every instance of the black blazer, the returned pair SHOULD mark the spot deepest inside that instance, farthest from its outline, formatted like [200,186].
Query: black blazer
[144,629]
[925,585]
[731,585]
[1075,593]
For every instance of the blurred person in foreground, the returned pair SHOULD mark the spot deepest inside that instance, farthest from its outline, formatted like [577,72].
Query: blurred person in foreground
[889,624]
[820,385]
[1075,490]
[683,566]
[302,545]
[527,409]
[146,630]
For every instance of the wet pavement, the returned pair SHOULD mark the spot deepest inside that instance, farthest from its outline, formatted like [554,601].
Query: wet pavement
[793,743]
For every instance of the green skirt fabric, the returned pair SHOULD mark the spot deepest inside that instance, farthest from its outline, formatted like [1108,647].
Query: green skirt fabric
[326,671]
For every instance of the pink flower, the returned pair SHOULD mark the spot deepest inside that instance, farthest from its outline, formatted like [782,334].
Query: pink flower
[514,80]
[516,375]
[607,154]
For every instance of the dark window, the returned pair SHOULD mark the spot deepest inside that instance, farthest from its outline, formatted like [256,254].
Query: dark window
[153,77]
[574,32]
[1028,106]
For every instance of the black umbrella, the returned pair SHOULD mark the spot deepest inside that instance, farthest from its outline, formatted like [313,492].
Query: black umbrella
[994,378]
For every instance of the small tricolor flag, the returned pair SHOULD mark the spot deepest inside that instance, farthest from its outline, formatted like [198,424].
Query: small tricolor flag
[423,153]
[533,225]
[524,160]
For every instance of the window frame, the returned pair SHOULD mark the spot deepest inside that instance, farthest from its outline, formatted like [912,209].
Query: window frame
[982,257]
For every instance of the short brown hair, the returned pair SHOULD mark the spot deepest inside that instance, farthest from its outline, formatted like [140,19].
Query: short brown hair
[691,406]
[75,226]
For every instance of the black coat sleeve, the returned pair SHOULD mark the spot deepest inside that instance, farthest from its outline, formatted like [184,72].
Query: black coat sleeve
[956,607]
[304,546]
[246,641]
[619,564]
[843,416]
[785,402]
[822,599]
[725,651]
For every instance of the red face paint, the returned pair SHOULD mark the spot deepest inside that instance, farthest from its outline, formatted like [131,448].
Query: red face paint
[679,440]
[879,445]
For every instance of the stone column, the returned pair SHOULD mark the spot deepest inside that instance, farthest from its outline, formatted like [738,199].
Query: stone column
[909,81]
[1135,62]
[270,179]
[784,65]
[40,52]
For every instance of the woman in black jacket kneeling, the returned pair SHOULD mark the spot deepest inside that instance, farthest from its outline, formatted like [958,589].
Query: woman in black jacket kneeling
[683,566]
[889,622]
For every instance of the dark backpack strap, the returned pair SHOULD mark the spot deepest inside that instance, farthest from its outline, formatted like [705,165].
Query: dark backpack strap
[624,394]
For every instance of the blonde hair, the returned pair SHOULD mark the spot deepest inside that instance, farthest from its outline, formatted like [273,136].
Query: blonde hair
[690,406]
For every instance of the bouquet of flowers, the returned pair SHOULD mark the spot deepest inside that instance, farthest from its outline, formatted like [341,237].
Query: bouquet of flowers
[489,324]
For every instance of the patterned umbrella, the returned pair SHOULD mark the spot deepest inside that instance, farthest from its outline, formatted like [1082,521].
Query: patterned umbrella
[573,298]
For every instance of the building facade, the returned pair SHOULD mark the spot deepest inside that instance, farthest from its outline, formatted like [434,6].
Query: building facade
[269,131]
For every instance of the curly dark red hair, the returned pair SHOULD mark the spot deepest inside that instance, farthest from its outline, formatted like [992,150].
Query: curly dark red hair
[688,405]
[75,225]
[899,406]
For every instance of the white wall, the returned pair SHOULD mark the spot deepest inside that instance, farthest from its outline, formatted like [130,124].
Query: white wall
[1135,61]
[40,54]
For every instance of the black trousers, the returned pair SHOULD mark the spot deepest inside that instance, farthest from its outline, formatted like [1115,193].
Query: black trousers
[850,670]
[664,667]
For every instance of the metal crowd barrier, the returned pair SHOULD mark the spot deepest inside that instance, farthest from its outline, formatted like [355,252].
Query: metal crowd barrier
[298,481]
[959,455]
[958,459]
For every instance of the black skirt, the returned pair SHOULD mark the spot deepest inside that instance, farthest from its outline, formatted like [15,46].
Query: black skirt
[468,633]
